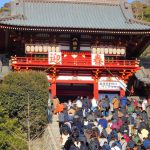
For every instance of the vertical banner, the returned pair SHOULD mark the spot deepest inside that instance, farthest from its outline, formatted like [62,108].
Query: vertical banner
[97,59]
[54,58]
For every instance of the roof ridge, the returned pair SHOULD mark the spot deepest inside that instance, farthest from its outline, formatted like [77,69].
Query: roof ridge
[140,21]
[125,5]
[126,8]
[12,17]
[111,2]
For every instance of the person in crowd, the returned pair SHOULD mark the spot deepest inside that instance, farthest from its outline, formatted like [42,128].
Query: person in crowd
[115,103]
[49,110]
[98,125]
[123,102]
[69,104]
[56,102]
[61,120]
[94,104]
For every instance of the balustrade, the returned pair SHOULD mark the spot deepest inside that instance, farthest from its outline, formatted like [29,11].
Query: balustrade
[71,61]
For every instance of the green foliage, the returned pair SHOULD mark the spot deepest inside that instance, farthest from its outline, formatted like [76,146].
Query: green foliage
[146,53]
[5,8]
[11,136]
[141,11]
[19,87]
[147,13]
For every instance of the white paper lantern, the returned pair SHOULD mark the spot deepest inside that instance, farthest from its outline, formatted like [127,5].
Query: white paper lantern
[106,50]
[93,50]
[53,49]
[36,48]
[102,50]
[40,49]
[32,48]
[118,51]
[98,50]
[114,51]
[28,48]
[57,49]
[122,51]
[110,50]
[49,48]
[45,49]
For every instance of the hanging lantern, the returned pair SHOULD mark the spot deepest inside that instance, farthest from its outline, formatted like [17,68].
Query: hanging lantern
[122,51]
[53,49]
[98,50]
[45,49]
[102,50]
[40,49]
[110,50]
[49,48]
[36,48]
[118,51]
[32,48]
[106,50]
[93,50]
[28,48]
[57,49]
[114,51]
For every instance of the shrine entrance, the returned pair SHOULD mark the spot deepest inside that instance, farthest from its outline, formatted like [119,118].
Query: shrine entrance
[66,91]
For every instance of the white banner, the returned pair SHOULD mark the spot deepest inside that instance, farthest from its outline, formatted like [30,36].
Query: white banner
[97,59]
[54,58]
[109,85]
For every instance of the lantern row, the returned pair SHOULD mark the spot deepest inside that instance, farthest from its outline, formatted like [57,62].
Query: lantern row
[109,50]
[41,48]
[33,48]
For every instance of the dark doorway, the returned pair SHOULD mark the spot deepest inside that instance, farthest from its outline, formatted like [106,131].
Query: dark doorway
[73,90]
[110,94]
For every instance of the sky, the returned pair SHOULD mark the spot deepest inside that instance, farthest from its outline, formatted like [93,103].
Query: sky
[2,2]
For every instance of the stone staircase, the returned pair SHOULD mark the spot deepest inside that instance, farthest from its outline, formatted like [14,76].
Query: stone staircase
[53,130]
[50,139]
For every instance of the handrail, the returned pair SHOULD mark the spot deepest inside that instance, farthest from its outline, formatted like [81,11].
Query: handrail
[71,62]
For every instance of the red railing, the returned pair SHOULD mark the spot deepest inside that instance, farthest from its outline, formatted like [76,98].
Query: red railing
[68,61]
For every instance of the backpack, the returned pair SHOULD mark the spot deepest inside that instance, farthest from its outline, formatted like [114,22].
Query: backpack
[73,147]
[146,143]
[119,145]
[94,144]
[131,144]
[106,147]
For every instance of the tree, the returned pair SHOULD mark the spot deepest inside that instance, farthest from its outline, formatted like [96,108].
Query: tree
[11,136]
[141,10]
[20,88]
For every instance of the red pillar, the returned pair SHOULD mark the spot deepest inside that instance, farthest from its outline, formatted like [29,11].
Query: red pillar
[53,89]
[95,90]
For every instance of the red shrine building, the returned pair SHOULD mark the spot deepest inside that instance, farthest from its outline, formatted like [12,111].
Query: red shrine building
[86,47]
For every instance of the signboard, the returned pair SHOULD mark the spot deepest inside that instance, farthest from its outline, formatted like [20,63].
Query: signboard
[97,59]
[109,85]
[54,58]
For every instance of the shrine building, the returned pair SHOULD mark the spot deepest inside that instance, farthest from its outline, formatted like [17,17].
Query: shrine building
[86,47]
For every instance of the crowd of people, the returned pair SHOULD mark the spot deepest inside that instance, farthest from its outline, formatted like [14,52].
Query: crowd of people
[90,124]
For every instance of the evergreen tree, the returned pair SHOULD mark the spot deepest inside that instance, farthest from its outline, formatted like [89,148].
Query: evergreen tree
[11,136]
[23,92]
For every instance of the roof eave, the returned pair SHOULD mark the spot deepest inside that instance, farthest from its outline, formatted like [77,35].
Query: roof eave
[77,30]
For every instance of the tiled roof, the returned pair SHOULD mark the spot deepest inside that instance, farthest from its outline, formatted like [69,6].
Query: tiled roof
[74,15]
